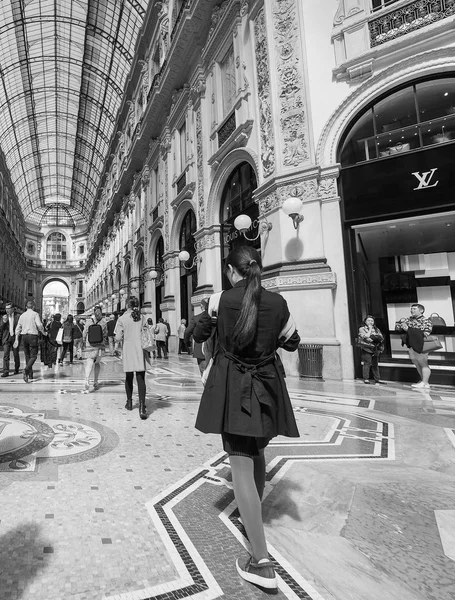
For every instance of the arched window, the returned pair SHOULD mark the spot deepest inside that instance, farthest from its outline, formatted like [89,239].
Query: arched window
[56,247]
[409,118]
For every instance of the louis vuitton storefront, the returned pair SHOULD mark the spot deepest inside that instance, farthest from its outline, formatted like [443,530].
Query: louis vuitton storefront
[397,184]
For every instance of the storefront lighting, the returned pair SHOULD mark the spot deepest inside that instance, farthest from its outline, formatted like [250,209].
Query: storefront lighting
[184,256]
[243,223]
[292,207]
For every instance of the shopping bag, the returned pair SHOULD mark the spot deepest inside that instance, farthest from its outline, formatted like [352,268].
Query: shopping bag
[59,337]
[147,338]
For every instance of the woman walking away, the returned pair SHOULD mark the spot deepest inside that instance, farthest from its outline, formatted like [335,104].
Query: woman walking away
[68,339]
[128,329]
[371,343]
[245,396]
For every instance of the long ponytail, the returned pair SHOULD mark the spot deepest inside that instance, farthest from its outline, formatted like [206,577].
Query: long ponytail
[249,265]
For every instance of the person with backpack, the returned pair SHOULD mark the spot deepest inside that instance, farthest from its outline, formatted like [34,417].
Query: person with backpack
[128,329]
[68,339]
[245,397]
[95,339]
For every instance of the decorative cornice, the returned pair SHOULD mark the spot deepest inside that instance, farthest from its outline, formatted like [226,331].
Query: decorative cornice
[237,139]
[157,224]
[185,194]
[300,282]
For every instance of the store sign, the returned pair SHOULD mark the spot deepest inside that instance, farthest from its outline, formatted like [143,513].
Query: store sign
[425,179]
[411,184]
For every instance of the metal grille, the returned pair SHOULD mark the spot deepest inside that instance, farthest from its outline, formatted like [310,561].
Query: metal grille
[409,18]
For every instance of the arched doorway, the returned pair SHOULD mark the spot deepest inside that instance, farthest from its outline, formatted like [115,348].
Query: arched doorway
[188,276]
[400,247]
[159,283]
[237,199]
[55,299]
[80,308]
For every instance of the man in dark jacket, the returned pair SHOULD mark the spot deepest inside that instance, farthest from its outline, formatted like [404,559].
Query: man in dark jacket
[197,350]
[9,323]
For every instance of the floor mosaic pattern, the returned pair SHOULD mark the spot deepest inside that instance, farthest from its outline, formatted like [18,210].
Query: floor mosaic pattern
[96,504]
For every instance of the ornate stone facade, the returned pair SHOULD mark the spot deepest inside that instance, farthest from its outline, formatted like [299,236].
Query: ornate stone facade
[264,95]
[200,169]
[293,119]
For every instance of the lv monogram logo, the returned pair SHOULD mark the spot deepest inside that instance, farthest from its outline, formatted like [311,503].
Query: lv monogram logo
[424,179]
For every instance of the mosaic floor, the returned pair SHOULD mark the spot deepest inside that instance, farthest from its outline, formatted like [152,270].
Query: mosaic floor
[96,504]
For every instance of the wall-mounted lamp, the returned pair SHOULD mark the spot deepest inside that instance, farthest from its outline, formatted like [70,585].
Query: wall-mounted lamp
[184,256]
[157,277]
[243,222]
[292,207]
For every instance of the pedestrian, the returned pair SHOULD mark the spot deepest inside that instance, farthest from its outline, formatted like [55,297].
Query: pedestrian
[152,333]
[95,339]
[9,324]
[78,332]
[128,329]
[111,323]
[168,335]
[51,344]
[28,326]
[245,398]
[416,329]
[161,337]
[181,335]
[371,343]
[68,339]
[198,354]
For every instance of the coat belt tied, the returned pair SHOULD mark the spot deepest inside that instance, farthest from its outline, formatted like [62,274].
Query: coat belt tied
[253,378]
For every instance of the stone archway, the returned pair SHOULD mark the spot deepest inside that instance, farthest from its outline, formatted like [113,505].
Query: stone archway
[55,296]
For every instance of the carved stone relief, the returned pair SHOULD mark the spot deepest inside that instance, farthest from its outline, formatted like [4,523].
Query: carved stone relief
[293,119]
[263,74]
[200,169]
[166,205]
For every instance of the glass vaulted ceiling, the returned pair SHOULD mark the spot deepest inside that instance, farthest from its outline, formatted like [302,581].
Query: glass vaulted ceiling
[63,66]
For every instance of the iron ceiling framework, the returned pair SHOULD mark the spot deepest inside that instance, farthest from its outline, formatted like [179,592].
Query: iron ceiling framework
[63,68]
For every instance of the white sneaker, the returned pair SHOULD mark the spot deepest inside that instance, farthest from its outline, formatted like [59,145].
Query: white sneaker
[421,385]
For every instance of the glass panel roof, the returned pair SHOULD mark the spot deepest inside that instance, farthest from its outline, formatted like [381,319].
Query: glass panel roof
[63,66]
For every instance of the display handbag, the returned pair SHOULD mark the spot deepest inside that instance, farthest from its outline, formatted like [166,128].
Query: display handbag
[59,336]
[437,320]
[430,344]
[147,338]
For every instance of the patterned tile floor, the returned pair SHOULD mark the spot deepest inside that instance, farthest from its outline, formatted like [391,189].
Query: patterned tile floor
[97,504]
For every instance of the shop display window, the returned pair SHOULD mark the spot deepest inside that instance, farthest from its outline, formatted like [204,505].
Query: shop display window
[407,119]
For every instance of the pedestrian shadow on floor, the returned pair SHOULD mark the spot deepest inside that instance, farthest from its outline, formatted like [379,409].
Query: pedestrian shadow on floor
[280,503]
[154,404]
[23,554]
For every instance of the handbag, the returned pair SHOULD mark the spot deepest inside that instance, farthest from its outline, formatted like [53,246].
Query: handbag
[59,337]
[437,320]
[147,338]
[431,344]
[364,345]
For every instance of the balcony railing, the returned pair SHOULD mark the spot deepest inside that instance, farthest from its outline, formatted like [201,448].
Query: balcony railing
[408,18]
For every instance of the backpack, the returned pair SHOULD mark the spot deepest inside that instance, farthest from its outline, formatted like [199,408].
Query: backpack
[95,334]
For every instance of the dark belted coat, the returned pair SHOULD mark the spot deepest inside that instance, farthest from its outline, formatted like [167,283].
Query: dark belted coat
[245,393]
